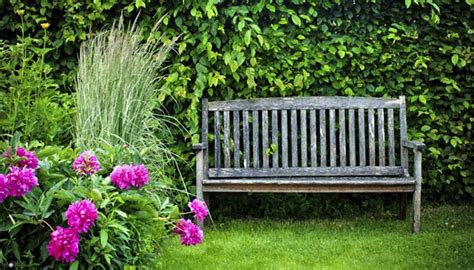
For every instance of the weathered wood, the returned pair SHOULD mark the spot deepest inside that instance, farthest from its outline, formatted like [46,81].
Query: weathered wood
[391,138]
[294,139]
[304,149]
[304,103]
[362,152]
[381,134]
[265,139]
[199,146]
[352,144]
[318,181]
[332,137]
[371,122]
[403,135]
[275,139]
[217,141]
[236,116]
[308,171]
[342,138]
[199,177]
[226,139]
[204,135]
[255,139]
[322,137]
[246,138]
[414,145]
[417,194]
[308,188]
[313,138]
[284,139]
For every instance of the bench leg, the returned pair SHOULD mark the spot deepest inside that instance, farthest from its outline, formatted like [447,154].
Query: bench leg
[402,214]
[417,194]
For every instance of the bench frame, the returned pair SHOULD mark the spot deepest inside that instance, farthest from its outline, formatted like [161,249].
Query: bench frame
[285,183]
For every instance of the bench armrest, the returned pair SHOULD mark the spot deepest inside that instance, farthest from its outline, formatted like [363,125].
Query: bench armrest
[414,145]
[199,146]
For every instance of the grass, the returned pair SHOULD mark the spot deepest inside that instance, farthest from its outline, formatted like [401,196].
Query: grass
[446,242]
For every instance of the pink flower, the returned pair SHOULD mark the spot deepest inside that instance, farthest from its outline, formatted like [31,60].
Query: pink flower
[141,176]
[64,244]
[21,181]
[27,159]
[199,209]
[126,176]
[81,215]
[3,188]
[86,164]
[189,233]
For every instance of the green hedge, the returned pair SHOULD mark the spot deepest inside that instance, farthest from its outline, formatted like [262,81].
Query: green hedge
[244,49]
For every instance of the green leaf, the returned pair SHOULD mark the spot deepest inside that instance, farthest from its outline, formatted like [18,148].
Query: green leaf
[104,237]
[454,59]
[454,142]
[74,265]
[408,3]
[422,99]
[296,20]
[247,37]
[470,2]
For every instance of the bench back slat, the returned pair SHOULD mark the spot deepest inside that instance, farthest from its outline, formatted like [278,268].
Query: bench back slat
[403,135]
[339,143]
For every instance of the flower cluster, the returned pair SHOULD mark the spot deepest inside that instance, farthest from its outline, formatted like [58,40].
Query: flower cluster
[126,176]
[189,233]
[199,209]
[86,164]
[64,242]
[21,177]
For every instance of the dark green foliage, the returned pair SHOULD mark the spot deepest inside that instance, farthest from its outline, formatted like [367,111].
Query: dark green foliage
[245,49]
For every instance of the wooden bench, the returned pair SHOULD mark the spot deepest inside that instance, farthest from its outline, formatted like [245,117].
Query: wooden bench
[308,144]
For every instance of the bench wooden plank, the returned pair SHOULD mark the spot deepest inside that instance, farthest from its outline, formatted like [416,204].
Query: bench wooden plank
[352,144]
[362,142]
[265,138]
[308,171]
[275,138]
[284,139]
[255,139]
[381,133]
[342,138]
[292,188]
[371,121]
[294,139]
[332,137]
[236,116]
[304,150]
[217,141]
[304,103]
[322,136]
[246,138]
[318,181]
[226,139]
[314,141]
[391,139]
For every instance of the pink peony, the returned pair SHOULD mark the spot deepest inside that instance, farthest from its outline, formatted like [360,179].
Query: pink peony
[81,215]
[27,159]
[86,164]
[141,176]
[199,209]
[21,181]
[189,233]
[64,244]
[3,188]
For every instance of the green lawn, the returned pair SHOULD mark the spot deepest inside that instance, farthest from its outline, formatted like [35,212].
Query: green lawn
[446,242]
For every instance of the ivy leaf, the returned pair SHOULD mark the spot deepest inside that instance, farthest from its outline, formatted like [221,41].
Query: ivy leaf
[455,59]
[408,3]
[422,99]
[247,37]
[296,20]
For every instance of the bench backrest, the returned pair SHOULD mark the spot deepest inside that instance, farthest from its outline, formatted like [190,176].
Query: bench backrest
[304,136]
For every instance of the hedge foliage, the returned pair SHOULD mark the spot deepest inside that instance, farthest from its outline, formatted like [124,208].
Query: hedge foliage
[261,48]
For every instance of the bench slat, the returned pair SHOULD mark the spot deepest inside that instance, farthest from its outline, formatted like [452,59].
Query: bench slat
[391,139]
[205,134]
[308,171]
[275,138]
[314,144]
[381,133]
[332,137]
[342,138]
[304,150]
[284,139]
[236,116]
[304,103]
[403,134]
[322,136]
[217,141]
[318,181]
[265,138]
[362,153]
[255,139]
[371,121]
[246,139]
[294,139]
[226,139]
[352,152]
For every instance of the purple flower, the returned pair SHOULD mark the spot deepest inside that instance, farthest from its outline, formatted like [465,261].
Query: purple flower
[27,159]
[199,209]
[126,176]
[21,181]
[189,233]
[81,215]
[86,164]
[3,188]
[64,244]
